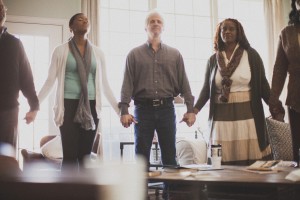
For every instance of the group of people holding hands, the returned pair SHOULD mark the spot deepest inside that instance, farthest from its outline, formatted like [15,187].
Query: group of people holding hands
[234,85]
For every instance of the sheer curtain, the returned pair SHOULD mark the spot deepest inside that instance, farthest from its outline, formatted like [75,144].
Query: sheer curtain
[91,9]
[274,17]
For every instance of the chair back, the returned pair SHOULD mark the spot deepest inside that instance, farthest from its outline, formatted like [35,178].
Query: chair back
[280,139]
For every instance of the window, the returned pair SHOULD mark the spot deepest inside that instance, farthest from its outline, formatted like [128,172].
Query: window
[189,26]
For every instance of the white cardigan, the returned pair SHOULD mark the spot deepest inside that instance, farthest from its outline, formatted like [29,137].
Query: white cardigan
[57,71]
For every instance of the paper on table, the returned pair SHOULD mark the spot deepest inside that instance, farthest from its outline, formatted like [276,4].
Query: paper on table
[201,167]
[284,163]
[294,175]
[262,165]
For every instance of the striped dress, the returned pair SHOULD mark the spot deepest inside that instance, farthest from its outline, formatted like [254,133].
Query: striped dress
[233,124]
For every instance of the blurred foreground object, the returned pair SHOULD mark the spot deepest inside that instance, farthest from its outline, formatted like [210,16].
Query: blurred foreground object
[127,181]
[9,166]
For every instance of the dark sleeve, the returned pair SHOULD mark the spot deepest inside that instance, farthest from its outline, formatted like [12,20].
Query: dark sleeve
[127,86]
[265,87]
[279,73]
[26,80]
[205,91]
[279,76]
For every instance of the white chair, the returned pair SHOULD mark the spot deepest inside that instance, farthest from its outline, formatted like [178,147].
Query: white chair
[191,151]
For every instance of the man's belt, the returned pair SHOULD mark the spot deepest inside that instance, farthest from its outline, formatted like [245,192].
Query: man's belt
[153,102]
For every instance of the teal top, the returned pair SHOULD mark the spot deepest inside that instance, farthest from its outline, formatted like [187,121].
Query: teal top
[72,80]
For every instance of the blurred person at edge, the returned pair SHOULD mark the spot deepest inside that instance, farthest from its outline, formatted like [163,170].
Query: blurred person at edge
[288,62]
[15,76]
[235,84]
[79,68]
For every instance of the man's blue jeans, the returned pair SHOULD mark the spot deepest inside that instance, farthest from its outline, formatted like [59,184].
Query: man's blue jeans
[161,119]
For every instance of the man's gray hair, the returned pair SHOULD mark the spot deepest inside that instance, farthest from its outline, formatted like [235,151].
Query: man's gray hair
[151,13]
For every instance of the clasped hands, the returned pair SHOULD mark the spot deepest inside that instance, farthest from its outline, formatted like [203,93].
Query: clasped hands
[189,119]
[277,111]
[30,116]
[128,119]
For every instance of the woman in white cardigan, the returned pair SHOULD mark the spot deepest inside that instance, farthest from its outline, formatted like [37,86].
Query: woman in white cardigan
[79,69]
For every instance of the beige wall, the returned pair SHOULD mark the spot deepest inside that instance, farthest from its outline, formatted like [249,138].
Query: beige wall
[61,9]
[287,9]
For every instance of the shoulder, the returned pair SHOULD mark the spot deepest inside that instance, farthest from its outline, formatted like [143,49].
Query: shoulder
[11,39]
[212,58]
[137,51]
[97,51]
[254,58]
[251,50]
[287,32]
[138,48]
[253,54]
[288,29]
[170,49]
[62,47]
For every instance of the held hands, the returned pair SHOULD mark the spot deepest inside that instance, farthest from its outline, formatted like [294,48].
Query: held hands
[189,119]
[278,117]
[277,111]
[127,120]
[30,116]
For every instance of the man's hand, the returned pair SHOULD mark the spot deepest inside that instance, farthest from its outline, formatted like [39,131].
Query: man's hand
[127,120]
[30,116]
[189,119]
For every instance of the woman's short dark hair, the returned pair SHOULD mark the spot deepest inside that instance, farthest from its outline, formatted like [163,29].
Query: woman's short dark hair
[219,45]
[294,16]
[72,19]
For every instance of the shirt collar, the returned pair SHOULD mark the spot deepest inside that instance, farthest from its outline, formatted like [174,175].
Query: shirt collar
[150,45]
[2,31]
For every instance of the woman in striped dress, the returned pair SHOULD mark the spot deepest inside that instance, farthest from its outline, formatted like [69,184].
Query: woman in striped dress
[235,84]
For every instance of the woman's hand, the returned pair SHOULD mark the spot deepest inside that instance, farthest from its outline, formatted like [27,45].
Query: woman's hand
[30,116]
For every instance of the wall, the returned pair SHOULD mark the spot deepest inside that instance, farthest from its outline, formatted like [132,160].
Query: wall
[61,9]
[286,10]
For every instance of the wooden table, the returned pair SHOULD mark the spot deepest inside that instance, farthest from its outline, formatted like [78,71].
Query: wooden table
[235,178]
[92,184]
[22,188]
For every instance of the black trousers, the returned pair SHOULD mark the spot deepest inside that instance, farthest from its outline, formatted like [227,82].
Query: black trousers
[294,118]
[76,141]
[9,126]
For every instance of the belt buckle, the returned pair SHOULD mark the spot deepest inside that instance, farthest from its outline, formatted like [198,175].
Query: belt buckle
[156,102]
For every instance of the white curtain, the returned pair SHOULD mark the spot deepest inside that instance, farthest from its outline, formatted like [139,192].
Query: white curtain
[91,9]
[274,17]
